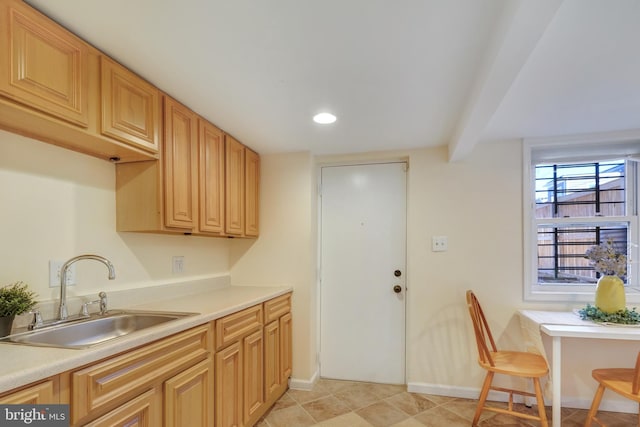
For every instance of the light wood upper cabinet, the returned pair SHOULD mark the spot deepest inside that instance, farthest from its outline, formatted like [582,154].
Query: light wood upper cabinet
[252,193]
[130,107]
[179,158]
[242,189]
[47,65]
[211,178]
[234,188]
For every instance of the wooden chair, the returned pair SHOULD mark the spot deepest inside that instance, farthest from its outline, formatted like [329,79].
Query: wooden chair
[624,381]
[513,363]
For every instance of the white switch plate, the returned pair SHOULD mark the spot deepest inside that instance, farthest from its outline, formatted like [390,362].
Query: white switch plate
[177,264]
[54,274]
[439,243]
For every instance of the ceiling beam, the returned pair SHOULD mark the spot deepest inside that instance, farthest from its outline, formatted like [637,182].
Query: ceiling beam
[515,38]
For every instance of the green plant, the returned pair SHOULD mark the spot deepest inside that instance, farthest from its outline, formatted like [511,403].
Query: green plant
[16,299]
[624,317]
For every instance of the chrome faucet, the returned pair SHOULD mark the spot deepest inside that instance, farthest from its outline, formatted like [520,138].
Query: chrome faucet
[62,312]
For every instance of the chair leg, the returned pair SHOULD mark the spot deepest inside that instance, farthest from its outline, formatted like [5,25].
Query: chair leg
[483,397]
[541,409]
[594,405]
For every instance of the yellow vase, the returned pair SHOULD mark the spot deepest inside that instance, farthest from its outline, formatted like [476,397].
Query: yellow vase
[610,295]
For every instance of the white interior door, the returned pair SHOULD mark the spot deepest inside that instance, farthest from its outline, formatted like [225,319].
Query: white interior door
[363,257]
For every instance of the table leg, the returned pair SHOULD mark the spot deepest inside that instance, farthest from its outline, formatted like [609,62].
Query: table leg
[556,375]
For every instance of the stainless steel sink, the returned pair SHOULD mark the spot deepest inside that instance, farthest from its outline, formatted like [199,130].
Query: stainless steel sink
[94,330]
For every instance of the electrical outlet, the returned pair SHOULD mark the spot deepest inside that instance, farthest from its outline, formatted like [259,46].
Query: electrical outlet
[177,264]
[439,243]
[54,274]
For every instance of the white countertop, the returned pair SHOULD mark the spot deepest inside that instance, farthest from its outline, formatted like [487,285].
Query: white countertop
[23,364]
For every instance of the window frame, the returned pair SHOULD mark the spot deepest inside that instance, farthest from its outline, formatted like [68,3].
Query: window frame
[578,149]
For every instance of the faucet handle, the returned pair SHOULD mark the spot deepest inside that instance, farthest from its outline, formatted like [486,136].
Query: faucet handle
[103,302]
[36,322]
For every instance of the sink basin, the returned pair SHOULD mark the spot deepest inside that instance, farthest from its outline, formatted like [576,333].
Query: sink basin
[94,330]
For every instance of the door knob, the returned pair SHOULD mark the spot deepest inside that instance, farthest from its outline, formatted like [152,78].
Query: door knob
[397,289]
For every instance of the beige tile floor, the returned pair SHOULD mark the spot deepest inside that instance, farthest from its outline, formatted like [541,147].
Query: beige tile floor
[334,403]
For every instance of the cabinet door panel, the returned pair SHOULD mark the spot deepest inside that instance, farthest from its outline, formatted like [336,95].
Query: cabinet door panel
[272,357]
[252,193]
[286,349]
[188,397]
[234,195]
[228,392]
[42,393]
[253,374]
[211,178]
[180,157]
[130,107]
[43,65]
[142,411]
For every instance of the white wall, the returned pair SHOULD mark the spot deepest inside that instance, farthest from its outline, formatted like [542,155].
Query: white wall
[285,253]
[476,203]
[57,204]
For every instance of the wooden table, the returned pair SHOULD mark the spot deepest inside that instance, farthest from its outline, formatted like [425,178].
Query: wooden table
[560,325]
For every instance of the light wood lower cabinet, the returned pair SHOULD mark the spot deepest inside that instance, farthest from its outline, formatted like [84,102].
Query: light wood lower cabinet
[278,347]
[239,368]
[187,379]
[228,390]
[103,387]
[47,391]
[188,397]
[142,411]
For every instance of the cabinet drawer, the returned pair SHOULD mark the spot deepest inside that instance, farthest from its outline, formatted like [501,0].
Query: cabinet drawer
[276,307]
[234,326]
[106,384]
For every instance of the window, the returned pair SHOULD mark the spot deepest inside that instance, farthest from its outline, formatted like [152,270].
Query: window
[577,195]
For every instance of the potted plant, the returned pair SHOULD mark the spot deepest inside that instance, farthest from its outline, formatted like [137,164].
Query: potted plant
[15,299]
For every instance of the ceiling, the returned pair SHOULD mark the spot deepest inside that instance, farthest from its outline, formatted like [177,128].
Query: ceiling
[398,74]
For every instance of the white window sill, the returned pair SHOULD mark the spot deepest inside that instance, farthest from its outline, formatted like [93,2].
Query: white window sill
[559,295]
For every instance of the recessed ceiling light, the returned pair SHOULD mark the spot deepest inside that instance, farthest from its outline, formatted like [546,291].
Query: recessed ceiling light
[324,118]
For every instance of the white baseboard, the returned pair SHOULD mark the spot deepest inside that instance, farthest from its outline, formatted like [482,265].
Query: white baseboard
[613,405]
[300,384]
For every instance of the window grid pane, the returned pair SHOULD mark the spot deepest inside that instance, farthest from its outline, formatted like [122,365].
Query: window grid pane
[580,190]
[561,251]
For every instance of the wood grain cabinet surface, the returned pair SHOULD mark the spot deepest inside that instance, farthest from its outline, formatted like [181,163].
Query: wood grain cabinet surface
[47,391]
[130,107]
[51,90]
[142,411]
[210,178]
[234,189]
[188,397]
[186,379]
[242,196]
[44,65]
[278,347]
[179,159]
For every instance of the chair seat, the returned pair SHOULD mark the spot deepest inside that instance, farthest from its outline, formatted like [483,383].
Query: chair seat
[517,363]
[619,380]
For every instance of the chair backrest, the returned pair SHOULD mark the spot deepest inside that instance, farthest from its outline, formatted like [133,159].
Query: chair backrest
[484,339]
[635,388]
